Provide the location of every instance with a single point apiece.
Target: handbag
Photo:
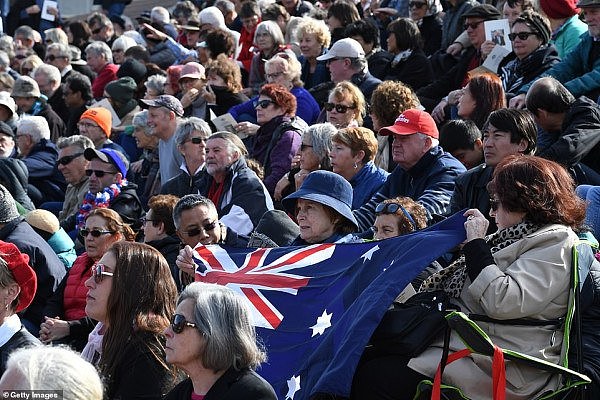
(409, 328)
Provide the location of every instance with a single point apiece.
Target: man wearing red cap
(424, 173)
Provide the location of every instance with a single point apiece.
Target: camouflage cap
(26, 86)
(166, 101)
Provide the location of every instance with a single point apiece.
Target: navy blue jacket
(430, 182)
(43, 174)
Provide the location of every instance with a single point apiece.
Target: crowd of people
(125, 143)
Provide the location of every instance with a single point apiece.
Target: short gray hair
(189, 202)
(160, 14)
(157, 83)
(224, 321)
(234, 143)
(35, 126)
(62, 49)
(55, 368)
(79, 141)
(359, 64)
(187, 126)
(51, 72)
(272, 29)
(140, 120)
(100, 48)
(320, 136)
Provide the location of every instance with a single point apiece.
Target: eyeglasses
(521, 35)
(416, 4)
(117, 50)
(197, 140)
(196, 231)
(98, 173)
(338, 107)
(86, 125)
(472, 25)
(263, 103)
(494, 204)
(20, 56)
(392, 208)
(98, 272)
(97, 30)
(273, 75)
(66, 160)
(84, 232)
(178, 323)
(145, 220)
(304, 146)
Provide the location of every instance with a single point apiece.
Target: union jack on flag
(315, 307)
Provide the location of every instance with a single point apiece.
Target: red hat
(410, 122)
(557, 9)
(18, 264)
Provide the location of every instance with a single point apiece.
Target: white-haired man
(49, 81)
(39, 154)
(100, 60)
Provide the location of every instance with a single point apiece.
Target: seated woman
(428, 16)
(314, 40)
(18, 283)
(132, 294)
(269, 41)
(213, 340)
(345, 106)
(482, 95)
(314, 154)
(224, 84)
(352, 157)
(521, 271)
(322, 207)
(283, 69)
(65, 319)
(531, 55)
(278, 139)
(410, 65)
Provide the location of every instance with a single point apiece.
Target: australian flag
(315, 307)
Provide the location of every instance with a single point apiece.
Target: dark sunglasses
(520, 35)
(197, 140)
(196, 231)
(472, 25)
(178, 323)
(263, 103)
(20, 56)
(494, 204)
(84, 232)
(416, 4)
(66, 160)
(145, 220)
(304, 146)
(392, 208)
(98, 173)
(338, 107)
(98, 272)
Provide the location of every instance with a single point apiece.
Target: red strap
(498, 374)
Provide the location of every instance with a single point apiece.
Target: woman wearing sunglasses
(132, 294)
(212, 339)
(345, 106)
(352, 157)
(65, 320)
(278, 139)
(521, 272)
(397, 217)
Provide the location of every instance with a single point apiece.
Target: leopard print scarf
(452, 279)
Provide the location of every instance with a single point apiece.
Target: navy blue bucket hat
(327, 188)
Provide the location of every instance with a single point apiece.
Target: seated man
(96, 124)
(39, 155)
(462, 139)
(108, 188)
(239, 195)
(425, 173)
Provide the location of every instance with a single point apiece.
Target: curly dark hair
(540, 188)
(281, 96)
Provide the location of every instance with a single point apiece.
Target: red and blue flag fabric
(315, 307)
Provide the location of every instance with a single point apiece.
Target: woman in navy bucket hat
(322, 207)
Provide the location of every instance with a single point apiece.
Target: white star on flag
(293, 386)
(369, 253)
(323, 322)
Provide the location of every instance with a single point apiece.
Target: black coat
(169, 248)
(431, 32)
(47, 266)
(22, 338)
(183, 184)
(470, 191)
(415, 71)
(232, 385)
(14, 176)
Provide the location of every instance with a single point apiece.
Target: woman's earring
(355, 165)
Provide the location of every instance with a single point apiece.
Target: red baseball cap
(410, 122)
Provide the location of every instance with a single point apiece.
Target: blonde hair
(347, 89)
(310, 26)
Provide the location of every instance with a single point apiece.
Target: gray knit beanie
(8, 207)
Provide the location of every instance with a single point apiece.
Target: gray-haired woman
(190, 137)
(268, 40)
(212, 339)
(314, 154)
(155, 86)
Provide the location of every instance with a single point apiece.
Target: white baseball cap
(344, 48)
